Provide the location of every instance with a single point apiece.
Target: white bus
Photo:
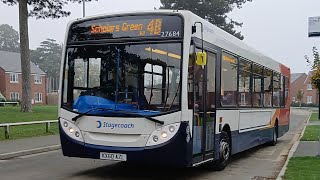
(166, 87)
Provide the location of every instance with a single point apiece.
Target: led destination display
(127, 27)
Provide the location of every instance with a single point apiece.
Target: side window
(282, 100)
(267, 88)
(286, 89)
(276, 89)
(257, 86)
(229, 80)
(245, 83)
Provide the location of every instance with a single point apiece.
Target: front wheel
(224, 152)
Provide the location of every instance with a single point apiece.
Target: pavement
(308, 148)
(21, 147)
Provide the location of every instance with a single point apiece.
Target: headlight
(155, 138)
(165, 134)
(71, 129)
(171, 128)
(65, 124)
(77, 134)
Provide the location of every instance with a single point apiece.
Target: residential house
(301, 81)
(11, 79)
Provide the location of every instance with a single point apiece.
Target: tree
(299, 97)
(315, 74)
(40, 9)
(48, 57)
(9, 38)
(214, 11)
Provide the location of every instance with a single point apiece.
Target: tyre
(224, 152)
(274, 135)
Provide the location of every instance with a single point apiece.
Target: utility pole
(84, 8)
(319, 106)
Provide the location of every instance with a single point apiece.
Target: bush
(297, 104)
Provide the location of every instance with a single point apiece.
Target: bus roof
(215, 35)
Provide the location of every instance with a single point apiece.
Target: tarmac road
(263, 162)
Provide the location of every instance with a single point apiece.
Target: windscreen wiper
(140, 115)
(86, 113)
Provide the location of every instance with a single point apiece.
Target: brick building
(11, 79)
(300, 81)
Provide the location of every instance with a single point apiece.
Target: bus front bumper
(175, 152)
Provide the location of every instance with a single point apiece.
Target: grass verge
(312, 133)
(300, 168)
(10, 114)
(314, 117)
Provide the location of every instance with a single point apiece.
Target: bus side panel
(284, 120)
(251, 131)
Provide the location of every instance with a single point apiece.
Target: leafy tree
(9, 38)
(299, 97)
(48, 57)
(315, 74)
(315, 66)
(39, 9)
(214, 11)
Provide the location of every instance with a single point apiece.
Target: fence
(6, 126)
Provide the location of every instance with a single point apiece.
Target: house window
(14, 96)
(14, 78)
(38, 97)
(309, 99)
(309, 87)
(37, 79)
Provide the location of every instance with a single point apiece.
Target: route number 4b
(154, 27)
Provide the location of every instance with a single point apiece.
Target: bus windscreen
(126, 27)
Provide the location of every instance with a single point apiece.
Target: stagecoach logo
(100, 124)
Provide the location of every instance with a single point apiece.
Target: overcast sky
(278, 28)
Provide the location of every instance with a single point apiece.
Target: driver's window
(80, 72)
(94, 72)
(153, 83)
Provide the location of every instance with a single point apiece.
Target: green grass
(314, 117)
(10, 114)
(312, 133)
(303, 168)
(17, 132)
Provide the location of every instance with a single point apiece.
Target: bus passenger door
(203, 84)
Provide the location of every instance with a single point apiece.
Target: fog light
(65, 124)
(71, 130)
(164, 134)
(171, 129)
(77, 134)
(155, 138)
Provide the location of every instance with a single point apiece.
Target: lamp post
(83, 8)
